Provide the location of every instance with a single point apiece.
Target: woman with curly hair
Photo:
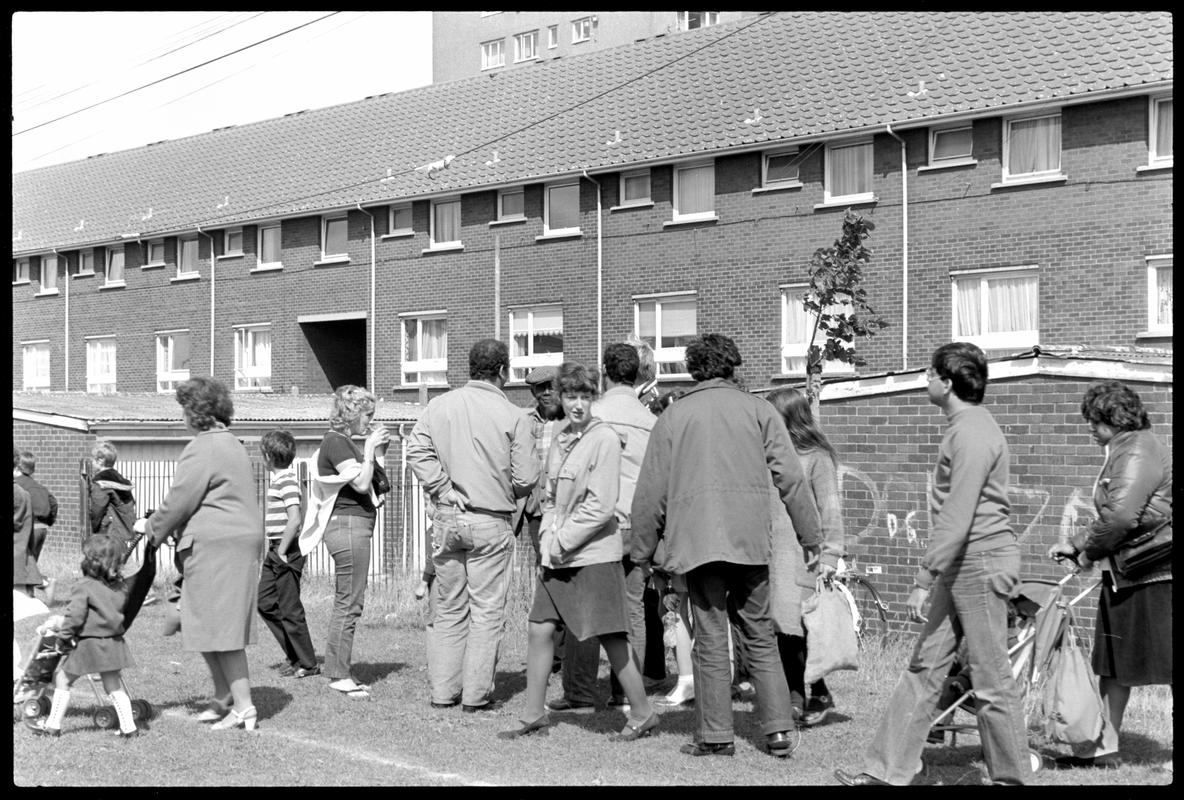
(1133, 494)
(213, 507)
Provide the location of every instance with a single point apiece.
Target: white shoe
(683, 692)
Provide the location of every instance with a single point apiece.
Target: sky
(94, 82)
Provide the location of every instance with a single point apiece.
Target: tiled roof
(804, 74)
(146, 407)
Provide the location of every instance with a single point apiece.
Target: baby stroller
(1035, 616)
(32, 689)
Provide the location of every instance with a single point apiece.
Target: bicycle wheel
(873, 617)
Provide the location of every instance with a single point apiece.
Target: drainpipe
(213, 263)
(370, 377)
(66, 332)
(599, 274)
(904, 246)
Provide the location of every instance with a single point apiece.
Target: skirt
(588, 601)
(98, 655)
(1133, 638)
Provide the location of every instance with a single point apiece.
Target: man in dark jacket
(45, 505)
(112, 507)
(704, 492)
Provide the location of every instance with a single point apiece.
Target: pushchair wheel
(1036, 760)
(105, 718)
(141, 710)
(36, 707)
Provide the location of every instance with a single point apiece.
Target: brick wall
(58, 451)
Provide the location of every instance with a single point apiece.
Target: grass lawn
(309, 735)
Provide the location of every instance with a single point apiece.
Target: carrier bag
(1072, 704)
(1145, 551)
(830, 624)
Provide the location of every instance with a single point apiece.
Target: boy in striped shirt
(279, 581)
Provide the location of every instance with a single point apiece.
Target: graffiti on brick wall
(1030, 507)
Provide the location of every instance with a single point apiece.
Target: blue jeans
(969, 601)
(738, 594)
(472, 552)
(347, 538)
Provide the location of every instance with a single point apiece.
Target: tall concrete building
(466, 43)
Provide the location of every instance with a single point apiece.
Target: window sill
(326, 262)
(959, 162)
(1019, 182)
(21, 283)
(1153, 167)
(499, 222)
(690, 221)
(113, 285)
(550, 237)
(78, 275)
(631, 206)
(253, 389)
(397, 235)
(161, 265)
(1166, 334)
(226, 256)
(443, 248)
(667, 377)
(189, 276)
(47, 293)
(844, 202)
(788, 186)
(266, 268)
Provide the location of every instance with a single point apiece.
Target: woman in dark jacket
(1133, 494)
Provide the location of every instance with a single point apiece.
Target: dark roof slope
(804, 74)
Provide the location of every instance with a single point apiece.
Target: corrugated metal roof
(804, 74)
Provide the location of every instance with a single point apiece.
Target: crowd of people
(725, 502)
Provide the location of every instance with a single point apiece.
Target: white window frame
(35, 364)
(1038, 175)
(149, 261)
(1154, 159)
(1154, 264)
(648, 200)
(548, 230)
(86, 263)
(829, 197)
(46, 269)
(693, 216)
(114, 254)
(181, 271)
(493, 57)
(708, 19)
(253, 377)
(994, 340)
(98, 379)
(664, 355)
(450, 244)
(502, 216)
(582, 29)
(791, 294)
(424, 365)
(392, 218)
(552, 37)
(326, 221)
(260, 250)
(955, 160)
(779, 183)
(520, 366)
(166, 378)
(227, 252)
(22, 272)
(520, 41)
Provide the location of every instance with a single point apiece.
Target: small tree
(838, 302)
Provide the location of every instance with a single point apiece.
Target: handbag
(830, 624)
(1071, 703)
(1145, 551)
(379, 482)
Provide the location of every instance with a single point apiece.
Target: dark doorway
(336, 353)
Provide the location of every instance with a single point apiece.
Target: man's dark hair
(621, 363)
(965, 366)
(1115, 404)
(279, 448)
(486, 359)
(712, 355)
(28, 462)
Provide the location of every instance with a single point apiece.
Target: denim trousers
(472, 552)
(724, 594)
(969, 601)
(280, 606)
(347, 538)
(581, 660)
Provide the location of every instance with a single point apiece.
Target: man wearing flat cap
(542, 417)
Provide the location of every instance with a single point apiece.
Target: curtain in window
(1163, 306)
(1163, 130)
(435, 339)
(647, 322)
(1012, 304)
(850, 169)
(335, 237)
(563, 207)
(188, 256)
(696, 190)
(271, 246)
(261, 352)
(1034, 146)
(967, 307)
(548, 330)
(447, 222)
(49, 272)
(678, 323)
(115, 268)
(637, 188)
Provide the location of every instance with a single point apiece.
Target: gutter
(370, 376)
(599, 273)
(213, 268)
(66, 328)
(904, 248)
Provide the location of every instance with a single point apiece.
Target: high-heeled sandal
(540, 726)
(234, 719)
(216, 711)
(635, 730)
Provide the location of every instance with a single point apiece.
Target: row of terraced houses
(1017, 166)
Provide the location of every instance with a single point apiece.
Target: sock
(123, 708)
(57, 710)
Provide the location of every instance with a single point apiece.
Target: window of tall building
(1032, 148)
(582, 29)
(334, 238)
(172, 359)
(86, 262)
(1161, 132)
(154, 253)
(187, 251)
(536, 339)
(526, 46)
(561, 211)
(100, 365)
(20, 271)
(689, 20)
(635, 188)
(493, 54)
(35, 364)
(848, 173)
(425, 349)
(780, 169)
(232, 242)
(445, 231)
(511, 204)
(399, 220)
(797, 328)
(49, 275)
(950, 146)
(1159, 294)
(694, 191)
(552, 36)
(115, 262)
(997, 309)
(252, 357)
(270, 256)
(668, 324)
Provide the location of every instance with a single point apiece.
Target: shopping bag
(830, 626)
(1072, 704)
